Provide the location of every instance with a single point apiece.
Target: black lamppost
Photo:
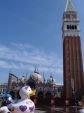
(74, 99)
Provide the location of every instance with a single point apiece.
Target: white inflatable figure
(81, 110)
(25, 105)
(81, 104)
(4, 109)
(10, 101)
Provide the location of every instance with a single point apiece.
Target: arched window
(68, 26)
(73, 27)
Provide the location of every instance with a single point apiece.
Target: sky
(31, 36)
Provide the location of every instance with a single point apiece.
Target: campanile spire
(72, 54)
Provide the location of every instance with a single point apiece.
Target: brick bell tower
(72, 54)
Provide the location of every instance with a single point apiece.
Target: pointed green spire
(69, 6)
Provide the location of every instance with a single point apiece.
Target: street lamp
(74, 100)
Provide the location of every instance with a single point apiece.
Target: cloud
(25, 57)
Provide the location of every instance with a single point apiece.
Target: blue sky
(30, 35)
